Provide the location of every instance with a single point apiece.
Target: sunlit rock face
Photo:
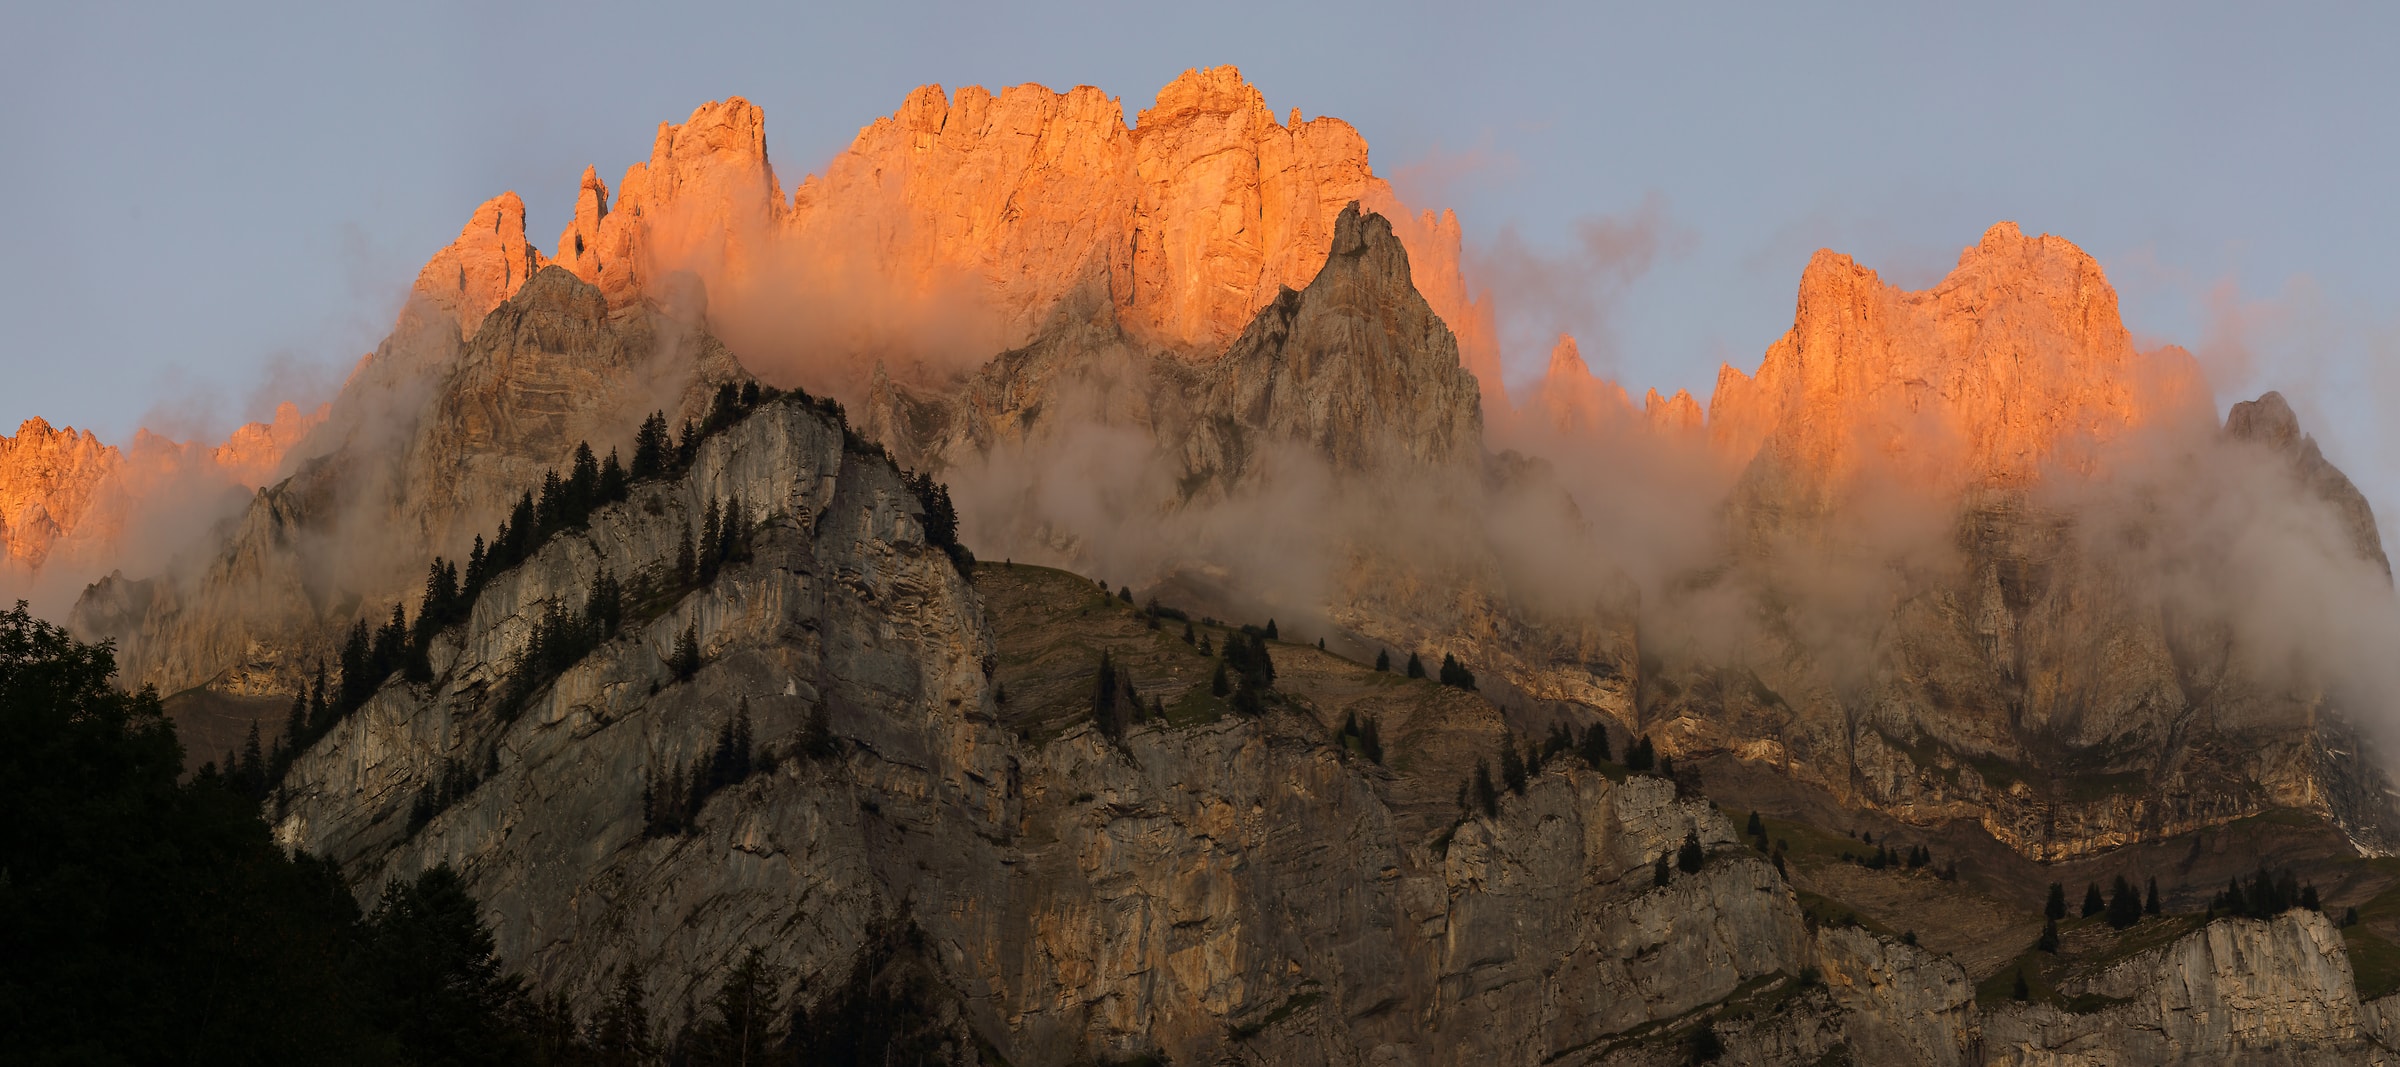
(67, 499)
(2017, 359)
(487, 263)
(992, 212)
(1968, 523)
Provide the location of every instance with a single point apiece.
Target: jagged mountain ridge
(1359, 370)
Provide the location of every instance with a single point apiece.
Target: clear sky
(209, 208)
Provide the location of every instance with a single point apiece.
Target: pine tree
(1455, 673)
(2049, 940)
(1661, 871)
(621, 1030)
(1487, 796)
(650, 447)
(2056, 909)
(2124, 904)
(1188, 636)
(1370, 740)
(742, 1014)
(2150, 900)
(1640, 756)
(613, 479)
(1217, 684)
(1416, 666)
(687, 559)
(1690, 857)
(2308, 898)
(1595, 745)
(2092, 902)
(251, 772)
(1383, 660)
(1512, 768)
(1271, 634)
(1705, 1046)
(684, 662)
(1104, 700)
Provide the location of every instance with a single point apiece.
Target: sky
(211, 210)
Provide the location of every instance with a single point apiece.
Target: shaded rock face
(2237, 991)
(437, 437)
(1234, 889)
(1356, 370)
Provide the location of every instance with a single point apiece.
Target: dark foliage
(2262, 896)
(2093, 902)
(2049, 938)
(1512, 768)
(940, 519)
(1689, 857)
(672, 799)
(2057, 907)
(1639, 756)
(1595, 746)
(1455, 673)
(1383, 659)
(1487, 796)
(147, 920)
(893, 1008)
(1108, 713)
(1416, 666)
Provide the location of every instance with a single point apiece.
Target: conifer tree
(1455, 673)
(1595, 745)
(2056, 909)
(1370, 740)
(2124, 904)
(1512, 768)
(621, 1030)
(685, 660)
(1383, 660)
(1416, 666)
(1487, 796)
(2093, 904)
(1639, 756)
(1217, 684)
(1271, 634)
(2150, 898)
(2049, 939)
(1690, 857)
(1104, 699)
(1660, 872)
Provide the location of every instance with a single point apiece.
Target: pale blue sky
(209, 210)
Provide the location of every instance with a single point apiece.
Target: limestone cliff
(996, 212)
(1965, 558)
(437, 437)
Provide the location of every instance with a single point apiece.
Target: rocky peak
(48, 477)
(2015, 361)
(486, 264)
(1570, 399)
(2269, 422)
(1357, 365)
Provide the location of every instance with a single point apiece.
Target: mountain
(1959, 594)
(67, 494)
